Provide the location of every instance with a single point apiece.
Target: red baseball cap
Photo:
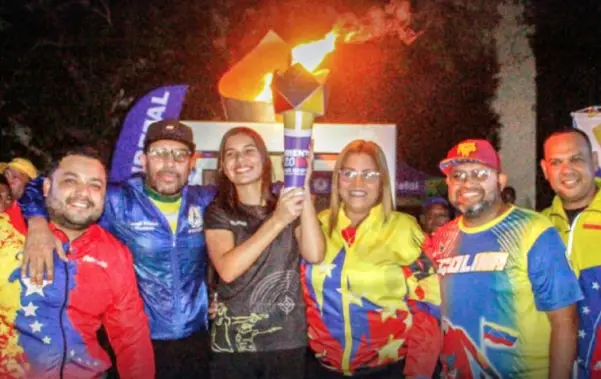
(471, 151)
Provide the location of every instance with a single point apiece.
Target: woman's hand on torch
(310, 159)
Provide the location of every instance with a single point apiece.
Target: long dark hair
(227, 197)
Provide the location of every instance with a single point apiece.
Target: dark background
(567, 46)
(70, 70)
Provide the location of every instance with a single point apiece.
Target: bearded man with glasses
(160, 218)
(508, 294)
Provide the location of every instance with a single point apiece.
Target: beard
(477, 209)
(481, 207)
(72, 220)
(167, 189)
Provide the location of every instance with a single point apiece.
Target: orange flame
(309, 54)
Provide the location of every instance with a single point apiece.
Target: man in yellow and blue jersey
(569, 165)
(508, 293)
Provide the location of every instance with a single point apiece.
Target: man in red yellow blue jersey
(569, 165)
(50, 331)
(508, 293)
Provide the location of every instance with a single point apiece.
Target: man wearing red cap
(508, 293)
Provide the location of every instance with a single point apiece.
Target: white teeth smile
(242, 170)
(358, 193)
(80, 205)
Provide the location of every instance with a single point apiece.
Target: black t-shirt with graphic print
(263, 309)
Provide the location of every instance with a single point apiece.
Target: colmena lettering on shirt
(144, 225)
(238, 223)
(481, 262)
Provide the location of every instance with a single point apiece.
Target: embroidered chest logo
(194, 217)
(481, 262)
(466, 149)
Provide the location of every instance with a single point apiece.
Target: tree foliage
(71, 69)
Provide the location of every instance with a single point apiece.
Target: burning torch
(299, 96)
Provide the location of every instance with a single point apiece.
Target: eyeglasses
(478, 174)
(349, 174)
(163, 153)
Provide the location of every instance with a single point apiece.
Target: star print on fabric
(350, 298)
(390, 351)
(581, 333)
(326, 269)
(596, 286)
(386, 313)
(47, 340)
(29, 309)
(34, 288)
(586, 310)
(36, 327)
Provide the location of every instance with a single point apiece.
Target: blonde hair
(375, 152)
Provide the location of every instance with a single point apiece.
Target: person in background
(508, 294)
(5, 194)
(256, 242)
(508, 195)
(435, 213)
(49, 331)
(18, 173)
(160, 218)
(569, 165)
(372, 304)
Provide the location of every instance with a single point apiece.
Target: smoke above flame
(393, 20)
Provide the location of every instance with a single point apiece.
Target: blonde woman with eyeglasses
(372, 304)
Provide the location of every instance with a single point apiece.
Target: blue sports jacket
(171, 269)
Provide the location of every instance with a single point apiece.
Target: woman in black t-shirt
(255, 243)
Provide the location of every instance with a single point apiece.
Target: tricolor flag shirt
(497, 282)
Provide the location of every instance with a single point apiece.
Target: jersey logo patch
(194, 217)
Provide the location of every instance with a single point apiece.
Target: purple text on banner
(159, 104)
(296, 152)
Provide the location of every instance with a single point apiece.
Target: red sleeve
(16, 217)
(424, 341)
(126, 323)
(429, 250)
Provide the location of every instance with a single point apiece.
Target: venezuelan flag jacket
(170, 267)
(583, 240)
(374, 299)
(50, 331)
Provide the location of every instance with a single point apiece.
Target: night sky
(567, 47)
